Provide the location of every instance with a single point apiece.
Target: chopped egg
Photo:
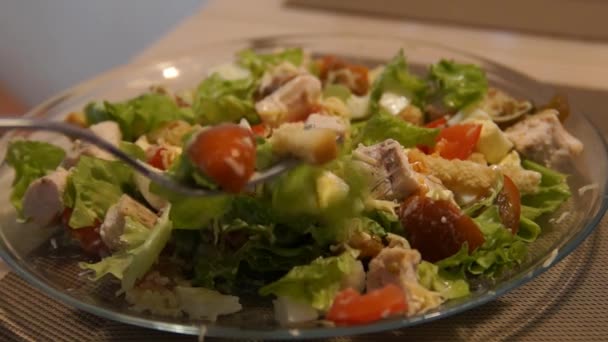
(393, 103)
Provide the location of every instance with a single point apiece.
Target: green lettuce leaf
(388, 221)
(501, 250)
(528, 229)
(458, 84)
(196, 213)
(384, 126)
(316, 284)
(265, 158)
(218, 100)
(132, 150)
(30, 160)
(396, 78)
(296, 186)
(430, 276)
(140, 115)
(93, 186)
(192, 212)
(486, 201)
(133, 263)
(259, 63)
(553, 192)
(135, 233)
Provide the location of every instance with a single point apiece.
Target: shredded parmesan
(550, 259)
(562, 217)
(588, 187)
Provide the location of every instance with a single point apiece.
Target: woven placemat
(568, 302)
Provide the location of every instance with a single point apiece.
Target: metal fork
(140, 167)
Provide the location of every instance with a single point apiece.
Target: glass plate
(29, 249)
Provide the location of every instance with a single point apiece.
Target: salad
(412, 188)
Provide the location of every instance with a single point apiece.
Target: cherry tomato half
(509, 205)
(358, 84)
(157, 159)
(88, 237)
(439, 123)
(350, 307)
(437, 228)
(260, 130)
(226, 153)
(458, 142)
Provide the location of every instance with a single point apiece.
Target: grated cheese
(562, 217)
(588, 187)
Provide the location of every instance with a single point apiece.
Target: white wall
(48, 45)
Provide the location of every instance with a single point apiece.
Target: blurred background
(47, 46)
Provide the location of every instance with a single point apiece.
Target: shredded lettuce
(432, 278)
(384, 126)
(218, 100)
(397, 79)
(316, 283)
(245, 253)
(140, 115)
(94, 185)
(259, 63)
(31, 160)
(458, 84)
(134, 262)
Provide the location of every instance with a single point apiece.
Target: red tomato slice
(458, 142)
(439, 123)
(157, 159)
(509, 205)
(260, 130)
(88, 237)
(226, 153)
(350, 307)
(438, 229)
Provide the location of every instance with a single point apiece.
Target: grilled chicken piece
(335, 123)
(107, 130)
(277, 76)
(313, 145)
(389, 166)
(542, 138)
(398, 266)
(293, 101)
(113, 225)
(43, 199)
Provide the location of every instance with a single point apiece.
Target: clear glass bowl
(28, 249)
